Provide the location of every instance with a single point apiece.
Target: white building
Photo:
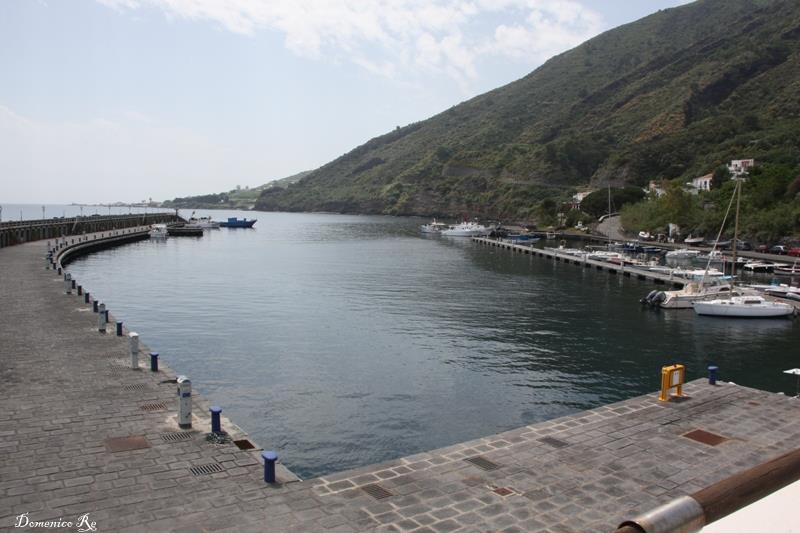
(703, 183)
(740, 167)
(578, 197)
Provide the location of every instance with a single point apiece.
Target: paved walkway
(66, 390)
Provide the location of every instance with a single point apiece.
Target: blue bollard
(153, 360)
(94, 305)
(269, 466)
(712, 374)
(216, 427)
(119, 328)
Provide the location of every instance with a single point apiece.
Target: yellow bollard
(671, 377)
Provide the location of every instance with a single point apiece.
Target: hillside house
(740, 167)
(703, 183)
(578, 197)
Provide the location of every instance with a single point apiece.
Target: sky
(125, 100)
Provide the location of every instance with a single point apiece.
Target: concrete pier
(80, 432)
(612, 268)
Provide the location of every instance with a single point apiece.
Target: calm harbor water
(341, 341)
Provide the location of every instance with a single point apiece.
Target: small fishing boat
(184, 230)
(693, 241)
(743, 307)
(158, 231)
(467, 229)
(433, 227)
(234, 222)
(203, 222)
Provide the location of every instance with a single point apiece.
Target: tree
(720, 176)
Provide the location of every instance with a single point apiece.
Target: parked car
(778, 249)
(763, 249)
(794, 251)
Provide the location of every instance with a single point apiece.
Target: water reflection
(346, 340)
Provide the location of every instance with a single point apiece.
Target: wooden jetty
(612, 268)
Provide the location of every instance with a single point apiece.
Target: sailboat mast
(738, 192)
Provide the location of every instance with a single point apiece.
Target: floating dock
(612, 268)
(82, 433)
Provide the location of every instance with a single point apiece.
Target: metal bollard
(269, 466)
(154, 361)
(87, 297)
(68, 283)
(216, 426)
(712, 374)
(80, 290)
(73, 284)
(101, 318)
(59, 271)
(94, 306)
(119, 328)
(134, 341)
(184, 402)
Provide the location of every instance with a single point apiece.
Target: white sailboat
(743, 307)
(748, 306)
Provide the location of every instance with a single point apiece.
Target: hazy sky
(121, 100)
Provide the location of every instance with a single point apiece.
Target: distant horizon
(161, 99)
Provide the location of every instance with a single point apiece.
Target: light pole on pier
(43, 216)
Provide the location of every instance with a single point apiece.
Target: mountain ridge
(671, 95)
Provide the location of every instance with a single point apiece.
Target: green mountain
(672, 95)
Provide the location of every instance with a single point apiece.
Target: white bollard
(134, 338)
(101, 318)
(184, 402)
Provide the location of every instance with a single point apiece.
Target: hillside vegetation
(673, 95)
(238, 198)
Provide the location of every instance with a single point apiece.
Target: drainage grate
(705, 437)
(202, 470)
(137, 387)
(376, 491)
(555, 443)
(244, 444)
(124, 444)
(482, 462)
(153, 407)
(176, 437)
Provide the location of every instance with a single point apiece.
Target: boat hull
(735, 310)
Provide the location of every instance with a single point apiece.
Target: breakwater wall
(18, 232)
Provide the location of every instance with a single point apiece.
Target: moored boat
(467, 229)
(743, 307)
(682, 253)
(158, 231)
(184, 230)
(787, 270)
(203, 222)
(234, 222)
(433, 227)
(693, 291)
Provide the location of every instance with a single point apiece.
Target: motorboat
(759, 266)
(602, 255)
(433, 227)
(158, 231)
(523, 239)
(203, 222)
(467, 229)
(694, 291)
(645, 236)
(781, 290)
(184, 230)
(787, 270)
(234, 222)
(743, 307)
(693, 241)
(682, 253)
